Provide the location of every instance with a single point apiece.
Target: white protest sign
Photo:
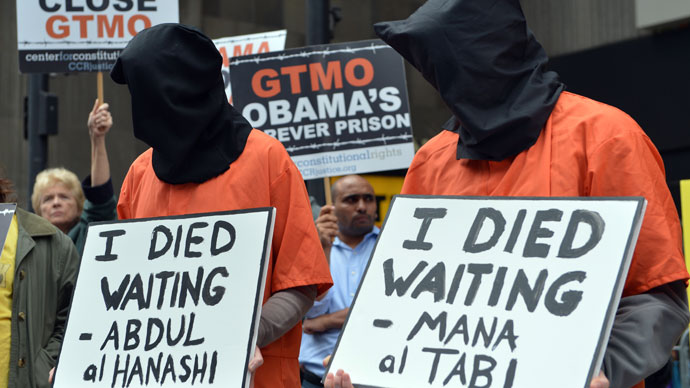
(170, 302)
(235, 46)
(62, 36)
(490, 292)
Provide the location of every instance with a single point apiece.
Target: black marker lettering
(112, 301)
(136, 370)
(400, 285)
(486, 372)
(154, 368)
(515, 232)
(215, 250)
(532, 248)
(569, 300)
(158, 324)
(477, 270)
(529, 294)
(498, 286)
(434, 282)
(507, 333)
(173, 341)
(192, 239)
(510, 374)
(191, 342)
(117, 371)
(594, 220)
(426, 215)
(132, 334)
(459, 370)
(113, 335)
(212, 299)
(153, 253)
(425, 318)
(437, 357)
(455, 284)
(193, 289)
(499, 222)
(169, 369)
(109, 235)
(199, 369)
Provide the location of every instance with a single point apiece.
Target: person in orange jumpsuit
(205, 157)
(516, 132)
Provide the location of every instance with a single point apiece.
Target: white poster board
(170, 302)
(83, 36)
(490, 292)
(236, 46)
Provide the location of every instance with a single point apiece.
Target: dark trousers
(310, 380)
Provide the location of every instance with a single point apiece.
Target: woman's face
(59, 206)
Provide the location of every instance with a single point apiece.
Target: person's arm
(325, 322)
(645, 329)
(282, 311)
(99, 123)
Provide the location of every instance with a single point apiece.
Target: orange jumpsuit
(262, 176)
(585, 149)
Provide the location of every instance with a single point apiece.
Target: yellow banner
(685, 216)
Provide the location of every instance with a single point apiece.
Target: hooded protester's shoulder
(444, 142)
(264, 150)
(142, 162)
(595, 122)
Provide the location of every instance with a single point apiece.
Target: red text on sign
(358, 72)
(60, 26)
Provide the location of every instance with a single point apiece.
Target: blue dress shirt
(347, 268)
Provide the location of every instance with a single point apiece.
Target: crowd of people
(515, 131)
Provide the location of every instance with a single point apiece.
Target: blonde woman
(70, 205)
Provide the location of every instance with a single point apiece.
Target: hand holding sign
(327, 226)
(100, 120)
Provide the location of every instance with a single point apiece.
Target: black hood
(488, 68)
(179, 106)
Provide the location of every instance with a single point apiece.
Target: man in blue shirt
(348, 236)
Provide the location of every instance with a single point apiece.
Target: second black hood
(488, 68)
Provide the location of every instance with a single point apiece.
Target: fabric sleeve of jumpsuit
(645, 328)
(653, 311)
(282, 311)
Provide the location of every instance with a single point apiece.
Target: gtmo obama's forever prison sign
(168, 302)
(338, 109)
(490, 292)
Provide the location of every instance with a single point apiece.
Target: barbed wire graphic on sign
(302, 54)
(233, 40)
(337, 144)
